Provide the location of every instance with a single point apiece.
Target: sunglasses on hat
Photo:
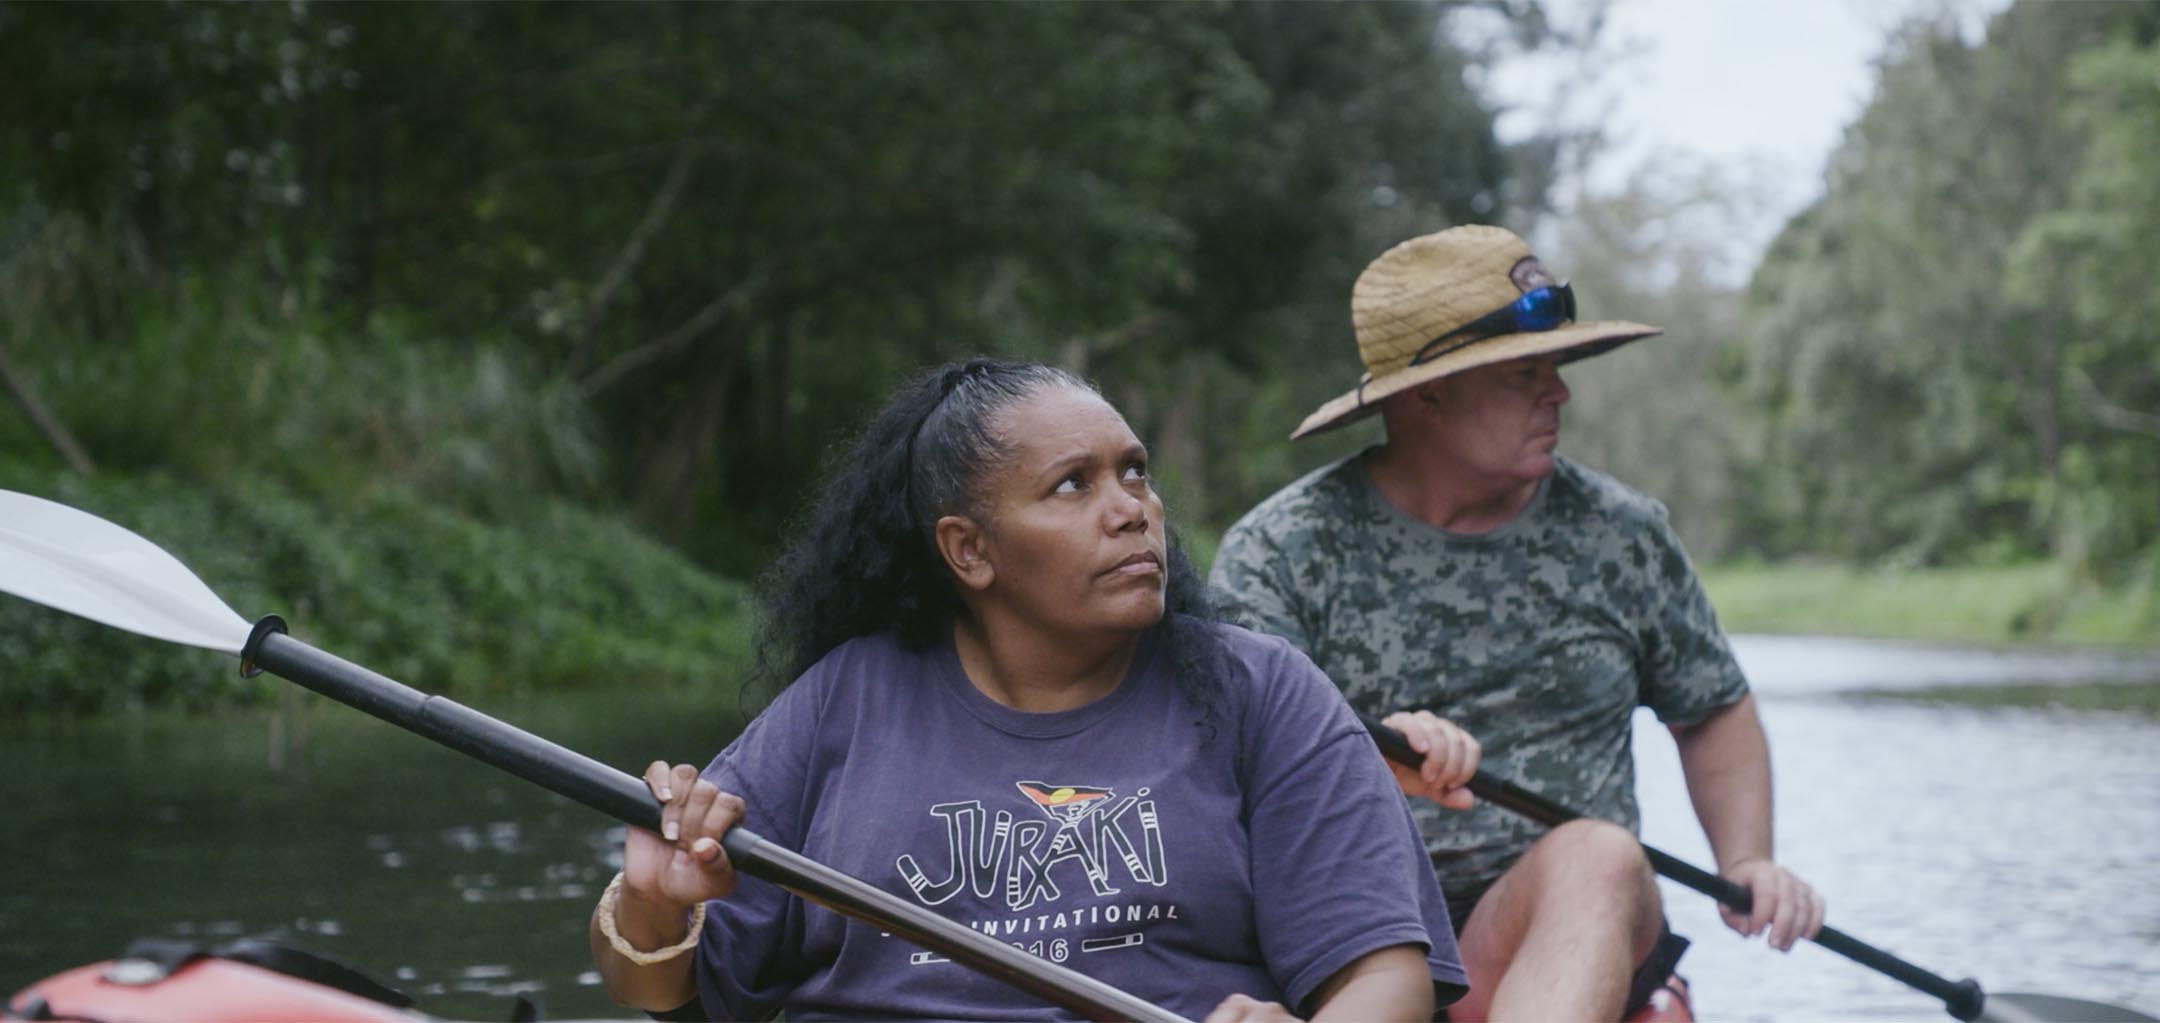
(1539, 309)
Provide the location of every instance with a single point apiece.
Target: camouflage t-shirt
(1539, 638)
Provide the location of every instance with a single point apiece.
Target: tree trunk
(777, 387)
(1082, 354)
(677, 340)
(2044, 404)
(55, 432)
(632, 256)
(673, 467)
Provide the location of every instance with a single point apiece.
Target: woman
(1000, 710)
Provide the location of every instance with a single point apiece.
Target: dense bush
(722, 232)
(445, 601)
(391, 318)
(1948, 359)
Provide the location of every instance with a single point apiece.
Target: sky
(1758, 91)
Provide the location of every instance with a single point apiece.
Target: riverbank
(460, 601)
(2141, 698)
(2016, 605)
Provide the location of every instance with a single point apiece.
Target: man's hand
(1784, 905)
(1451, 758)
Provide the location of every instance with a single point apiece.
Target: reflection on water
(2017, 846)
(455, 883)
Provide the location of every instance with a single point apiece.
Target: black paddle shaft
(1962, 998)
(628, 799)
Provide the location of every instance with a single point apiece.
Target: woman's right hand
(1243, 1009)
(684, 864)
(665, 877)
(1451, 758)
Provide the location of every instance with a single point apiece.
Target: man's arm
(1726, 759)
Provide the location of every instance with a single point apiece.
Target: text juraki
(989, 853)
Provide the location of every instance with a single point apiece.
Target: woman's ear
(963, 544)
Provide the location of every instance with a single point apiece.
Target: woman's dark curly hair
(865, 561)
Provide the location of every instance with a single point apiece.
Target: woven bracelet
(606, 915)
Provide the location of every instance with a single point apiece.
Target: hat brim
(1575, 341)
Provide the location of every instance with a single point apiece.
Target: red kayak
(1668, 1004)
(206, 990)
(179, 983)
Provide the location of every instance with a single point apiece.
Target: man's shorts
(1649, 976)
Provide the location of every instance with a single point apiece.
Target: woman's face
(1074, 537)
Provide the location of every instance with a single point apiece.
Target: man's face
(1501, 420)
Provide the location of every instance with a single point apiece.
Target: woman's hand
(1451, 758)
(665, 877)
(1243, 1009)
(684, 864)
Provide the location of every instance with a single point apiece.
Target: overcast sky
(1758, 89)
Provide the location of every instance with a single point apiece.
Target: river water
(2020, 846)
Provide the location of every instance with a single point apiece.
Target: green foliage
(2086, 268)
(729, 228)
(1652, 413)
(411, 503)
(216, 375)
(411, 291)
(1950, 356)
(388, 578)
(2014, 603)
(179, 121)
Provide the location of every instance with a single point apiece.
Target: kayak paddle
(1963, 998)
(73, 561)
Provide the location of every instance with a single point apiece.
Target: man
(1502, 605)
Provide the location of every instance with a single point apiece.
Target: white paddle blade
(74, 561)
(2023, 1007)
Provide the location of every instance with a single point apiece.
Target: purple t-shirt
(1257, 853)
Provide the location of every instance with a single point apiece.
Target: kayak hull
(1668, 1004)
(207, 989)
(213, 990)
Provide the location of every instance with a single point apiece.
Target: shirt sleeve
(1689, 665)
(1257, 588)
(750, 955)
(1338, 869)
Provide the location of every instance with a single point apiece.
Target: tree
(716, 234)
(2082, 273)
(1657, 251)
(1910, 406)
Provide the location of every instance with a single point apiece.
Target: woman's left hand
(1241, 1009)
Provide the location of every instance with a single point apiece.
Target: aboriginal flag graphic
(1065, 802)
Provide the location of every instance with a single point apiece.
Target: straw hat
(1430, 286)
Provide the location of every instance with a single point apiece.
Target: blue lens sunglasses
(1540, 309)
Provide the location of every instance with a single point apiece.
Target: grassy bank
(2039, 603)
(440, 509)
(448, 601)
(2123, 697)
